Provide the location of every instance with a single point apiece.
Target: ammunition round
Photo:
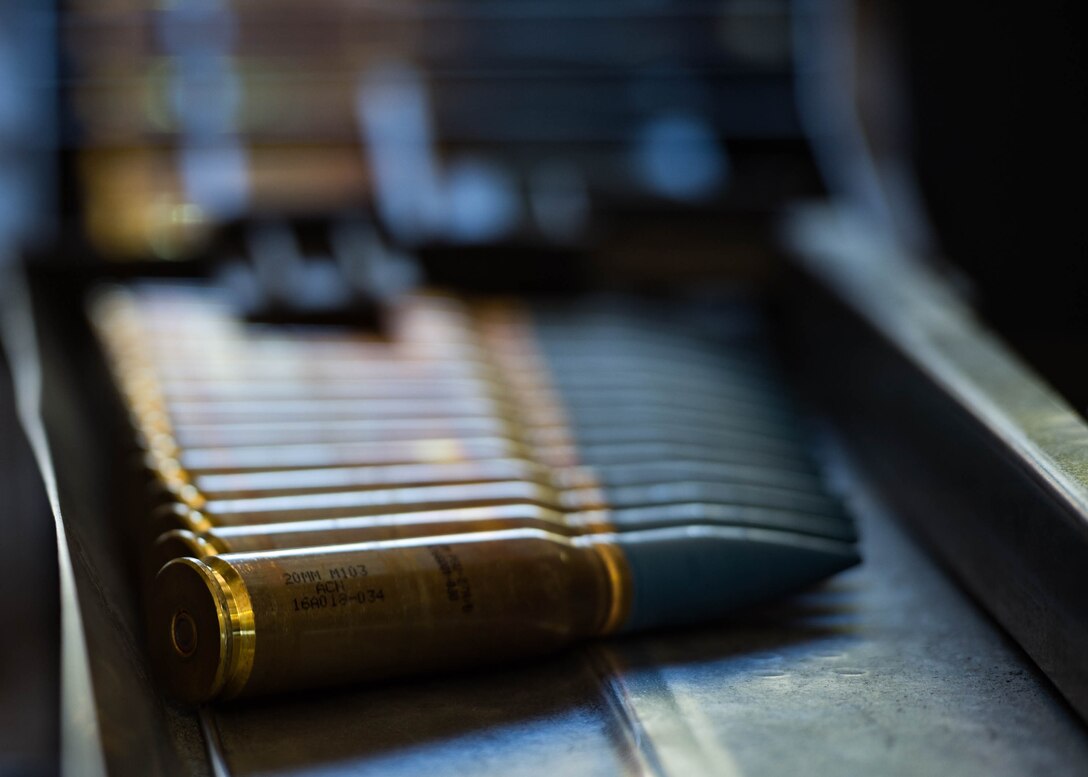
(245, 624)
(357, 504)
(178, 543)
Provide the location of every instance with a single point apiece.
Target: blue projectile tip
(684, 575)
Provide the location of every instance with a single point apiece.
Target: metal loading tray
(889, 668)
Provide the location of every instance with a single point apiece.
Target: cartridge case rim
(213, 601)
(618, 576)
(243, 626)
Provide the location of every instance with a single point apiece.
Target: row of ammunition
(480, 483)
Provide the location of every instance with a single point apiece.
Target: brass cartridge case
(196, 389)
(244, 624)
(243, 485)
(318, 370)
(179, 543)
(139, 360)
(245, 351)
(296, 507)
(337, 454)
(230, 411)
(332, 448)
(296, 370)
(234, 435)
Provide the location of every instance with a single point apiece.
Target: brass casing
(298, 456)
(244, 485)
(241, 434)
(179, 543)
(287, 508)
(247, 624)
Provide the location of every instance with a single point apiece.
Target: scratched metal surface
(888, 670)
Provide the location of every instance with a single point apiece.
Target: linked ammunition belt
(484, 481)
